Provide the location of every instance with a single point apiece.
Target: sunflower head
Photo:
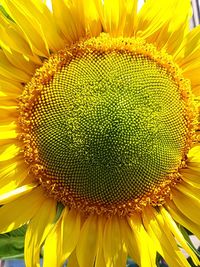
(103, 117)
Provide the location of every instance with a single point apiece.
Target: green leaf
(12, 244)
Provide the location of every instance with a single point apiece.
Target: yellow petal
(196, 90)
(176, 232)
(70, 232)
(162, 22)
(17, 168)
(91, 17)
(14, 194)
(5, 135)
(130, 23)
(100, 261)
(172, 34)
(185, 199)
(162, 238)
(10, 88)
(12, 36)
(113, 16)
(21, 62)
(18, 158)
(72, 261)
(69, 18)
(62, 240)
(9, 151)
(8, 114)
(170, 237)
(189, 49)
(188, 58)
(152, 16)
(156, 235)
(29, 24)
(52, 247)
(8, 131)
(9, 71)
(115, 253)
(178, 27)
(21, 55)
(191, 72)
(118, 17)
(191, 176)
(192, 172)
(88, 241)
(147, 253)
(194, 155)
(179, 217)
(7, 107)
(37, 231)
(130, 241)
(38, 10)
(7, 186)
(7, 101)
(20, 211)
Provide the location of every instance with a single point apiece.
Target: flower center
(105, 125)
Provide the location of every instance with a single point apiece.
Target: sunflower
(100, 130)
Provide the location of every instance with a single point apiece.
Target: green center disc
(110, 126)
